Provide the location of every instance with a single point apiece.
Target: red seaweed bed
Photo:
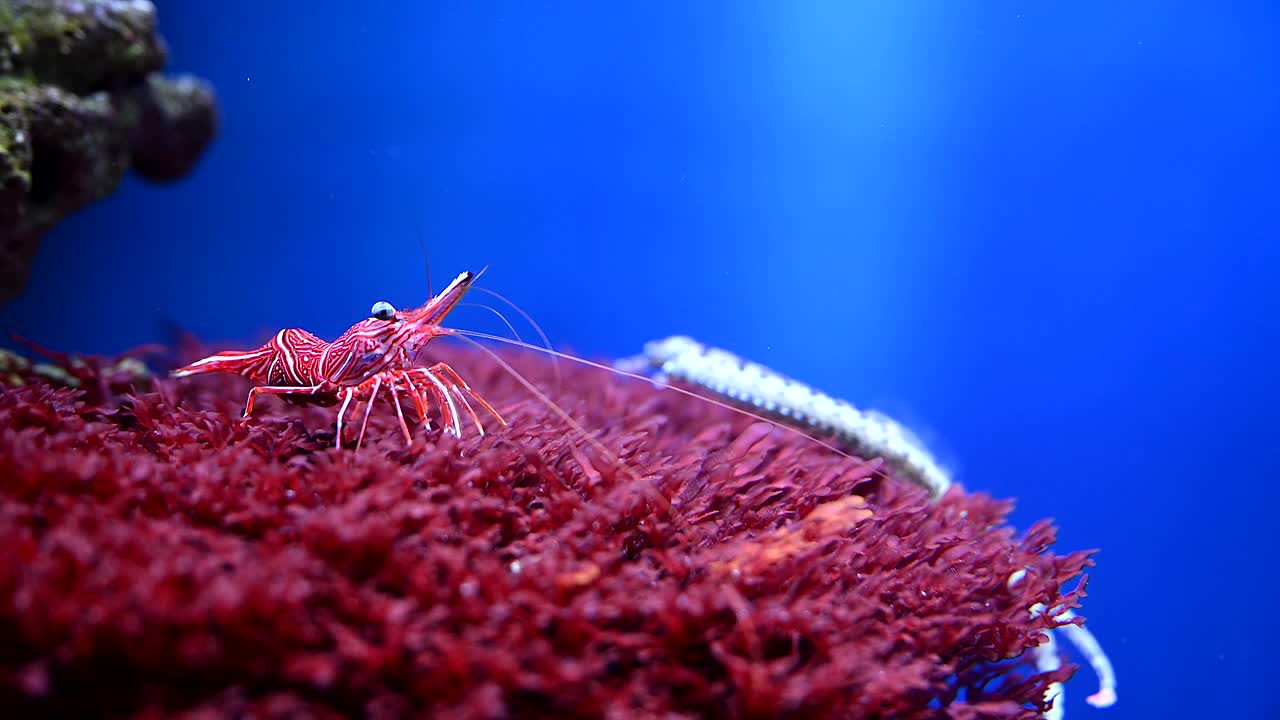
(160, 559)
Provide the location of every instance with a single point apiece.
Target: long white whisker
(467, 334)
(426, 261)
(547, 402)
(495, 311)
(546, 341)
(551, 404)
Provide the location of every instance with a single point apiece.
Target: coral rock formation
(162, 558)
(80, 104)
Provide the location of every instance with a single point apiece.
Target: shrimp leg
(276, 390)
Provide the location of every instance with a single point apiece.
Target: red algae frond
(756, 556)
(162, 558)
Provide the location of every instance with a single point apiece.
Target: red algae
(163, 559)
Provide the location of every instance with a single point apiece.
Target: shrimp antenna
(655, 495)
(500, 316)
(426, 261)
(466, 334)
(546, 342)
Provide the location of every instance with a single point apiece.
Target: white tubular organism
(865, 433)
(1047, 659)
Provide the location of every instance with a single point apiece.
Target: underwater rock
(161, 558)
(175, 123)
(80, 104)
(100, 379)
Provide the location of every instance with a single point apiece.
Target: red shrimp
(379, 352)
(373, 354)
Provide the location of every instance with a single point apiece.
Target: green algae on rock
(80, 104)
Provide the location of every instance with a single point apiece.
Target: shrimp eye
(383, 310)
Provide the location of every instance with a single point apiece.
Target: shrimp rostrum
(374, 355)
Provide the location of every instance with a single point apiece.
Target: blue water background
(1043, 233)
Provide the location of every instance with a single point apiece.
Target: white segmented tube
(1046, 657)
(868, 434)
